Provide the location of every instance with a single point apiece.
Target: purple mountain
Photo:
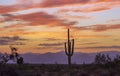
(61, 58)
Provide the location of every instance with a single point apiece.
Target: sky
(40, 26)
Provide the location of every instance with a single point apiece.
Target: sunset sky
(40, 26)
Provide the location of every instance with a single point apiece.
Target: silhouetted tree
(102, 59)
(13, 56)
(16, 56)
(106, 60)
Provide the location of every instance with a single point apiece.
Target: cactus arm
(66, 49)
(72, 47)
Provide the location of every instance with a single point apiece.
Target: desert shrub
(105, 59)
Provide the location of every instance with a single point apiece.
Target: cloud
(116, 39)
(17, 5)
(92, 7)
(7, 15)
(21, 32)
(94, 36)
(54, 3)
(101, 47)
(7, 18)
(15, 26)
(90, 43)
(7, 2)
(98, 28)
(17, 43)
(52, 44)
(105, 27)
(45, 19)
(8, 40)
(6, 9)
(42, 18)
(1, 29)
(14, 8)
(34, 19)
(57, 3)
(87, 10)
(52, 39)
(28, 4)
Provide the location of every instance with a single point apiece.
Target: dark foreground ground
(59, 70)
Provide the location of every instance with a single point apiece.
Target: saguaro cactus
(69, 48)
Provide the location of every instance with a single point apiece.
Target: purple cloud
(8, 40)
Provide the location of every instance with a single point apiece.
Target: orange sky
(40, 26)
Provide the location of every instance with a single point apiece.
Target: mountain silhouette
(61, 58)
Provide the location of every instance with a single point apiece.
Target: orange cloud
(114, 20)
(1, 29)
(94, 36)
(86, 10)
(14, 26)
(100, 47)
(94, 7)
(14, 8)
(21, 32)
(106, 27)
(98, 28)
(54, 3)
(4, 9)
(42, 18)
(28, 4)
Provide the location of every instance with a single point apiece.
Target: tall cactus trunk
(69, 48)
(69, 61)
(68, 42)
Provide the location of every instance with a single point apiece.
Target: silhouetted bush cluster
(105, 59)
(14, 56)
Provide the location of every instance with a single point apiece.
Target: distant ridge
(61, 58)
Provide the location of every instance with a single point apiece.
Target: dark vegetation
(14, 56)
(103, 65)
(59, 70)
